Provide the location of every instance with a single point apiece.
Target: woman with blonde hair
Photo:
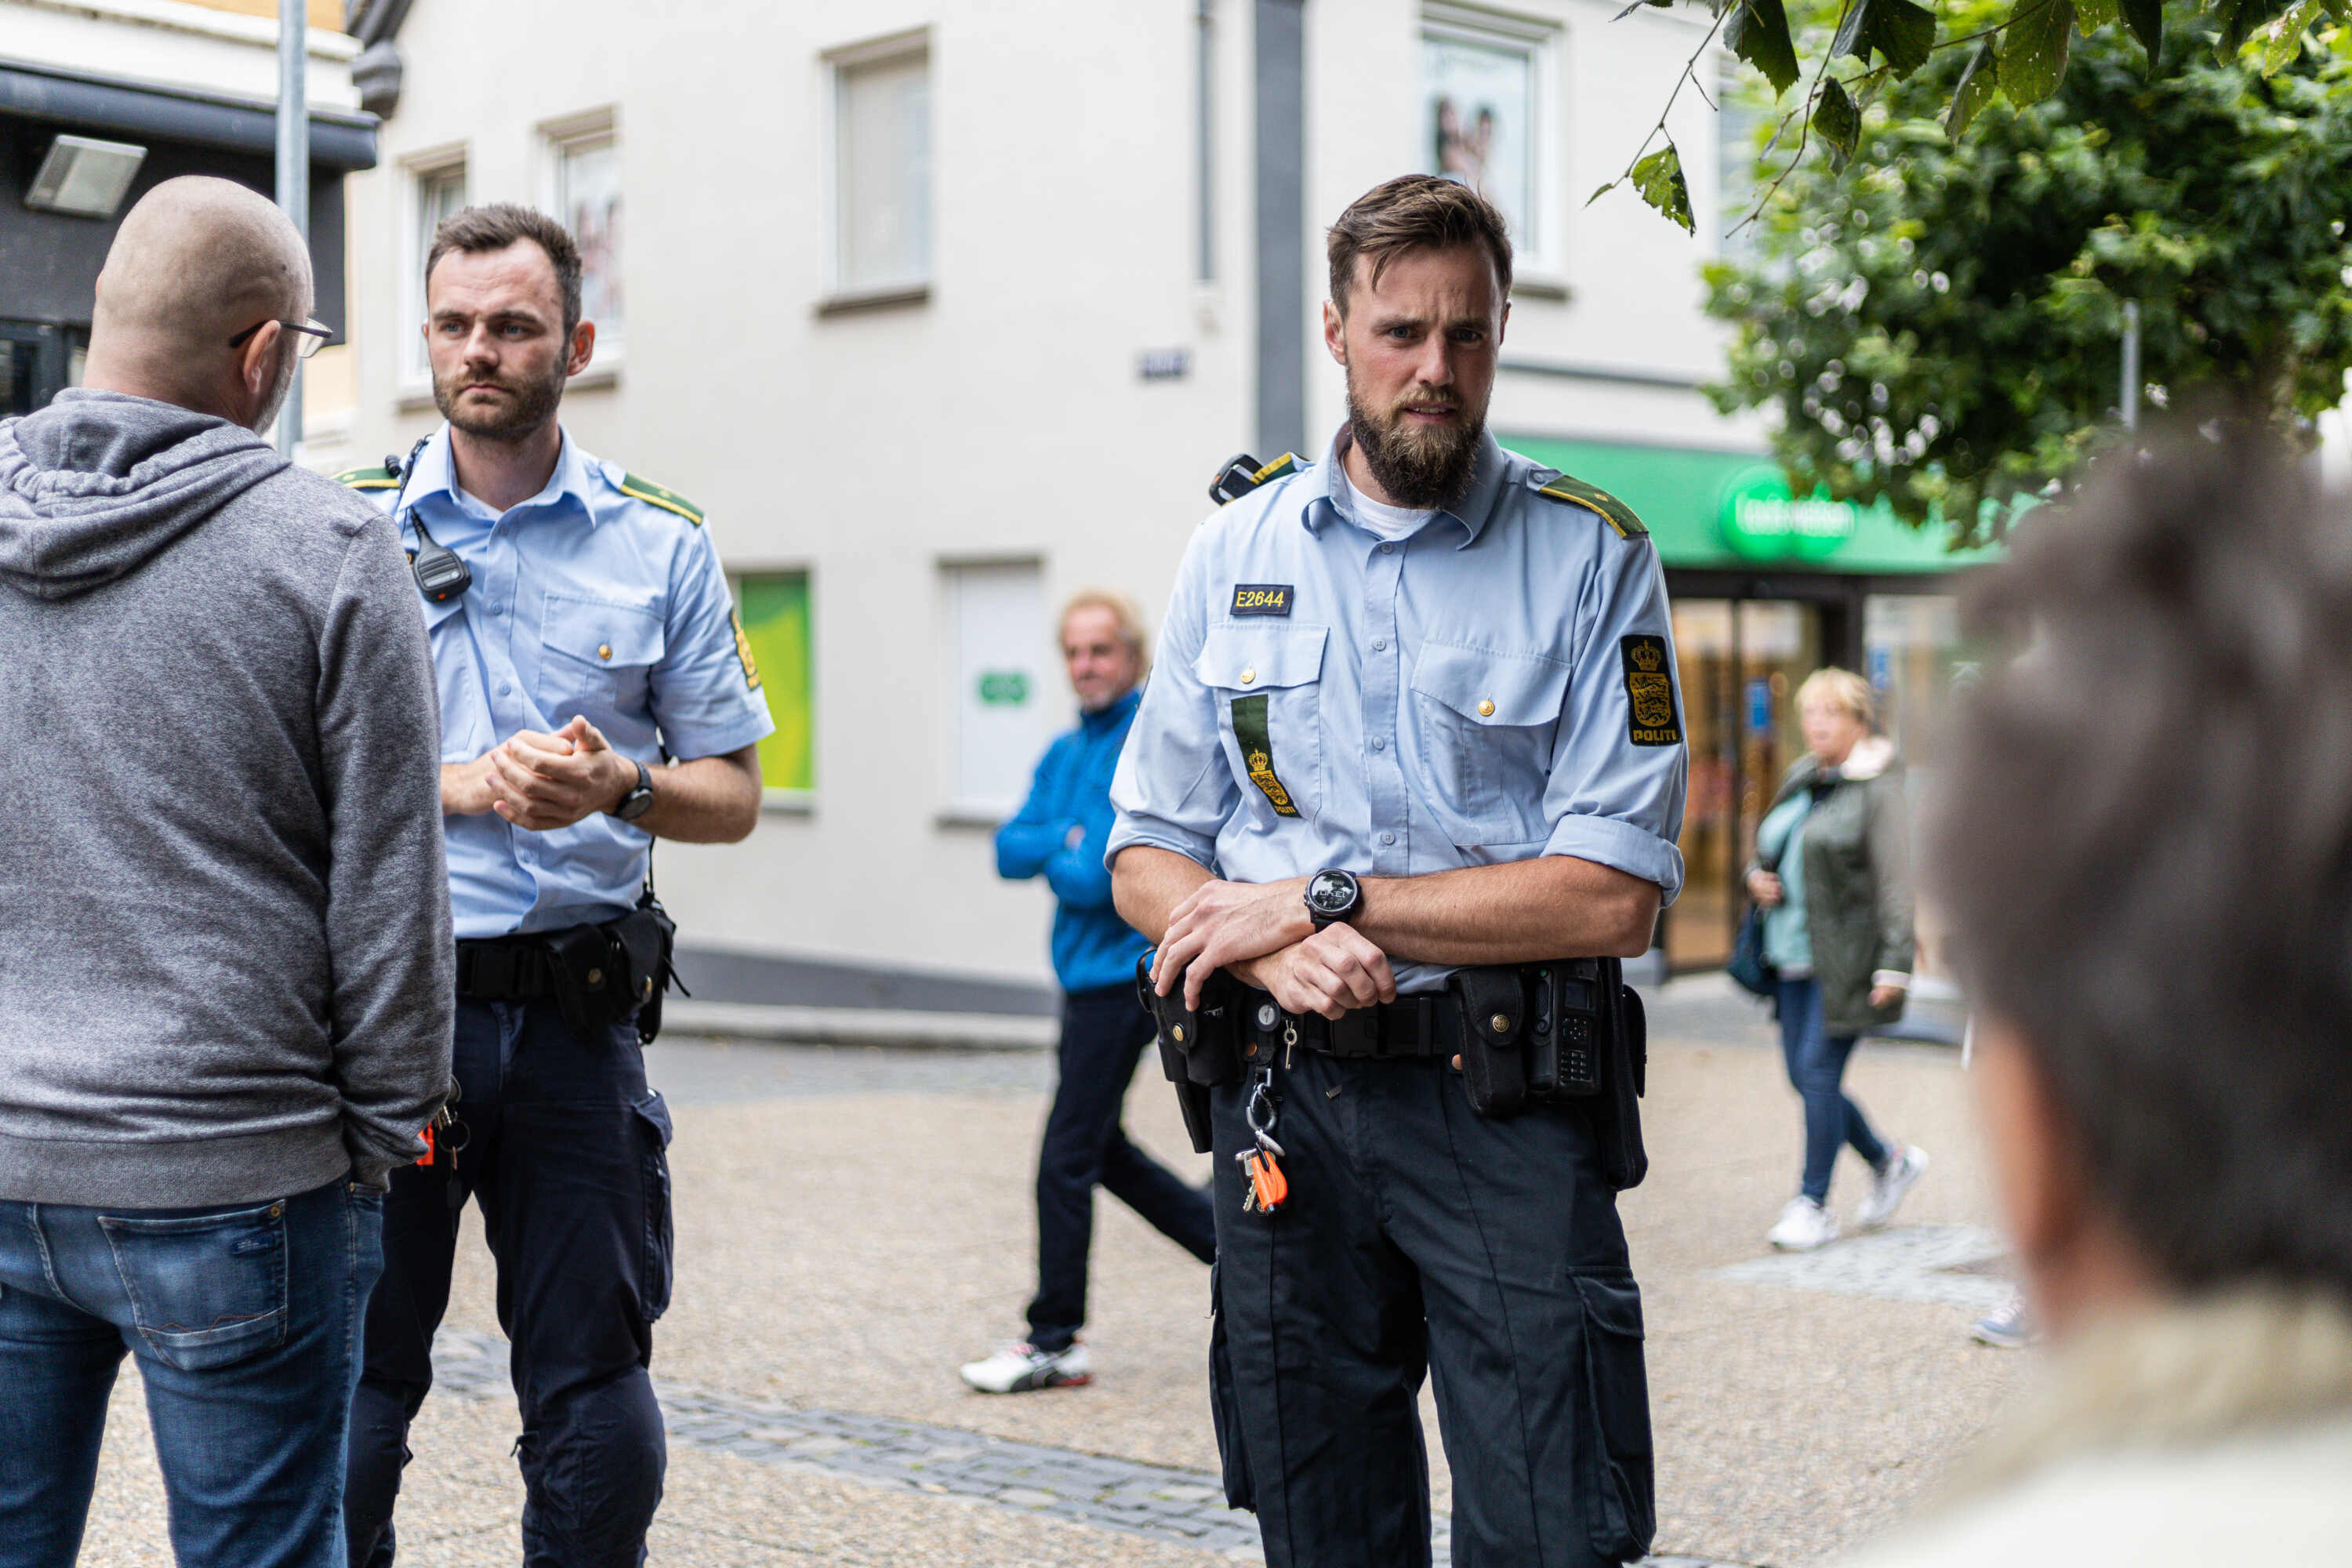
(1832, 875)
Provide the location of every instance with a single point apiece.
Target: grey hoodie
(225, 950)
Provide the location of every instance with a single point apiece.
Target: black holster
(609, 973)
(1567, 1032)
(1198, 1050)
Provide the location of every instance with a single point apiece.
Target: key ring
(1260, 1113)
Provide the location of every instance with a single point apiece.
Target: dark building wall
(49, 262)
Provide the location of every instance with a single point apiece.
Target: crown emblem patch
(1651, 719)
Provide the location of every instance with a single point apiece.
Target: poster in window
(592, 211)
(1479, 119)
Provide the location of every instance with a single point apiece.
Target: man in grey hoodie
(225, 983)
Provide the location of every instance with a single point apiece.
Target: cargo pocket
(661, 1242)
(1614, 1435)
(207, 1291)
(1224, 1410)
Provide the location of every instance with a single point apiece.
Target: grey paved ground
(851, 1223)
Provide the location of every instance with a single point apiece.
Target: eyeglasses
(314, 336)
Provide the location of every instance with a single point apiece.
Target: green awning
(1732, 511)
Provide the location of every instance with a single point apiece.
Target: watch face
(1331, 892)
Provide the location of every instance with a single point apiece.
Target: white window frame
(417, 171)
(582, 132)
(896, 48)
(1540, 268)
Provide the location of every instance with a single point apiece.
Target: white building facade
(944, 311)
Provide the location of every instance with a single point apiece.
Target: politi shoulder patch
(743, 654)
(661, 496)
(378, 479)
(1653, 718)
(1593, 497)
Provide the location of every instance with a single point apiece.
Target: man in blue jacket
(1060, 832)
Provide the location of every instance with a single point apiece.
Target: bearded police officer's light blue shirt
(1496, 687)
(599, 597)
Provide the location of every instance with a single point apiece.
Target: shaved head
(196, 261)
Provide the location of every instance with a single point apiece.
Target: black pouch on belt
(1197, 1049)
(606, 974)
(1494, 1006)
(1616, 1110)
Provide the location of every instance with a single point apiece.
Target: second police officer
(596, 693)
(1414, 724)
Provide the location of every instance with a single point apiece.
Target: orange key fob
(1268, 1183)
(427, 1135)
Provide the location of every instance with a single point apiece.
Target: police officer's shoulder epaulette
(1244, 474)
(661, 496)
(377, 479)
(1593, 497)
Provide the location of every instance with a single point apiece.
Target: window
(1486, 121)
(772, 608)
(882, 169)
(587, 198)
(999, 637)
(437, 191)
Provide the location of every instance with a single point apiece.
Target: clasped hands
(545, 782)
(1263, 934)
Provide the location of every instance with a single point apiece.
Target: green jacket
(1857, 847)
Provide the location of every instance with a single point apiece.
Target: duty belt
(1427, 1024)
(505, 969)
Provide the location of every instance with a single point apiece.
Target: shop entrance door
(1741, 662)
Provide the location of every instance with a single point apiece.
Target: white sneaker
(1804, 1225)
(1903, 1167)
(2008, 1326)
(1021, 1368)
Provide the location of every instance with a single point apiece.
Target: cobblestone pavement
(852, 1223)
(1183, 1506)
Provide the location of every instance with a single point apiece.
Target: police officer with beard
(595, 693)
(1413, 736)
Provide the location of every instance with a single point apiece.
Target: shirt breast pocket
(1267, 682)
(1486, 724)
(599, 660)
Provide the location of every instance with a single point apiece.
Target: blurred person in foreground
(2146, 850)
(1060, 833)
(596, 693)
(1833, 873)
(224, 1006)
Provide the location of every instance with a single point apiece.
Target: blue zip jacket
(1092, 946)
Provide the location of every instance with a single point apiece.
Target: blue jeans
(246, 1323)
(1816, 1064)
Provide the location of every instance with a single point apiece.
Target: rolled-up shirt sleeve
(1618, 776)
(1173, 789)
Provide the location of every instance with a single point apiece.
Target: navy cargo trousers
(1421, 1237)
(566, 1153)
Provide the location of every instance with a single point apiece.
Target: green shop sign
(1761, 519)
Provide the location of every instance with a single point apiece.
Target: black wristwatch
(640, 798)
(1333, 895)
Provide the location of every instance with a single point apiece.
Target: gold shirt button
(1248, 675)
(1486, 708)
(605, 650)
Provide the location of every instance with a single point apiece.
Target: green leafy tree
(2011, 51)
(1941, 326)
